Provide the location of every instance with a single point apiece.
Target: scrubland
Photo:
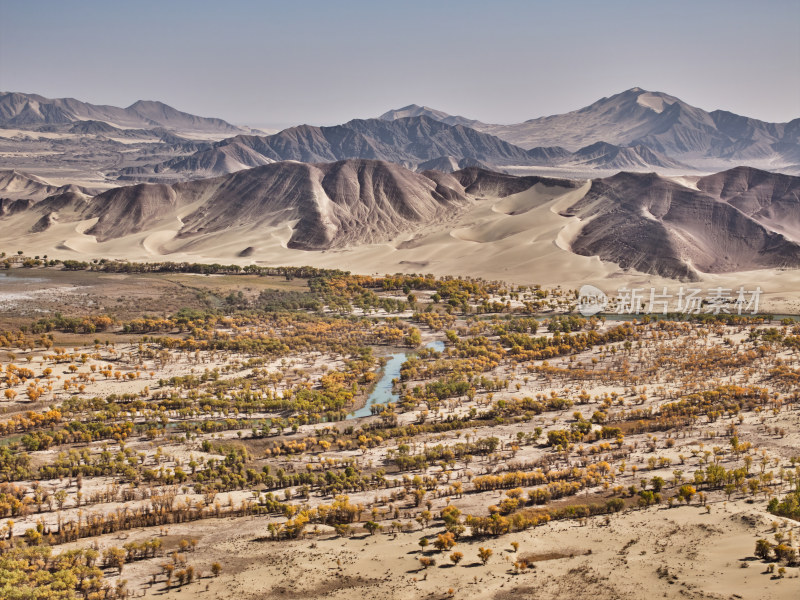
(200, 442)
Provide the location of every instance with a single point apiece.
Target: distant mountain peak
(411, 107)
(146, 103)
(639, 95)
(676, 131)
(415, 110)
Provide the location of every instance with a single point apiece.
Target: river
(383, 391)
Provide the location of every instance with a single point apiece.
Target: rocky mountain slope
(15, 185)
(655, 225)
(771, 199)
(330, 205)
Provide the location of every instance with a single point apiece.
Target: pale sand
(656, 549)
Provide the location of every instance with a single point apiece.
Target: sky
(275, 64)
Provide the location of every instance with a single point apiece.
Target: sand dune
(530, 199)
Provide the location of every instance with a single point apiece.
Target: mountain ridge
(417, 142)
(20, 109)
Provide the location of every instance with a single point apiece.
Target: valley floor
(595, 458)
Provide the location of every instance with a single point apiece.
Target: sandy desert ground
(673, 553)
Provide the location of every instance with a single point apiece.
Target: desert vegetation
(131, 440)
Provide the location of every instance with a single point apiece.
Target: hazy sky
(281, 63)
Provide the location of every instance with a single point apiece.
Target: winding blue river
(382, 393)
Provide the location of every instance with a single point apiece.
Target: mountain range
(410, 142)
(636, 130)
(658, 121)
(739, 220)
